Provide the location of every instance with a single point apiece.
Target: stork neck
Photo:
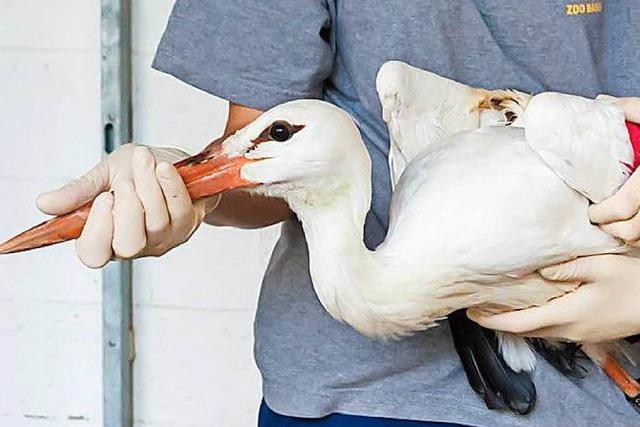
(342, 268)
(372, 291)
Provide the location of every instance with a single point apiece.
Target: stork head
(307, 152)
(304, 151)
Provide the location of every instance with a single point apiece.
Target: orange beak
(206, 174)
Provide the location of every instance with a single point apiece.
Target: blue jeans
(268, 418)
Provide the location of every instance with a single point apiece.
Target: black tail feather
(488, 374)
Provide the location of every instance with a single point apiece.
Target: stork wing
(584, 141)
(420, 108)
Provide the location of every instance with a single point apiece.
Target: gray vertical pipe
(117, 337)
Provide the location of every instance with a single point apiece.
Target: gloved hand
(142, 206)
(603, 308)
(606, 306)
(619, 215)
(631, 107)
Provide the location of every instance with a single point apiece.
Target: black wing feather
(562, 356)
(499, 386)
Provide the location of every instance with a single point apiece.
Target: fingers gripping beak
(206, 174)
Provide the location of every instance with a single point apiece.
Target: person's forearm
(244, 210)
(241, 209)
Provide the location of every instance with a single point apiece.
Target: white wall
(193, 308)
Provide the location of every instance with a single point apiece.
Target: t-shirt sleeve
(256, 53)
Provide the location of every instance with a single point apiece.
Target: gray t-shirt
(261, 53)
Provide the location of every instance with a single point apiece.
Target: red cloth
(634, 136)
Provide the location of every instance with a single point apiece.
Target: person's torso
(584, 48)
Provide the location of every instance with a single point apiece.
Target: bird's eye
(280, 132)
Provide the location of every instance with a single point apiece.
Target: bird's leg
(618, 374)
(603, 356)
(511, 103)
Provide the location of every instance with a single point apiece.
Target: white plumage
(492, 183)
(584, 141)
(478, 206)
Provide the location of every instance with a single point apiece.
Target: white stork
(489, 186)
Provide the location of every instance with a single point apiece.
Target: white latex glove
(619, 215)
(142, 206)
(631, 107)
(605, 307)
